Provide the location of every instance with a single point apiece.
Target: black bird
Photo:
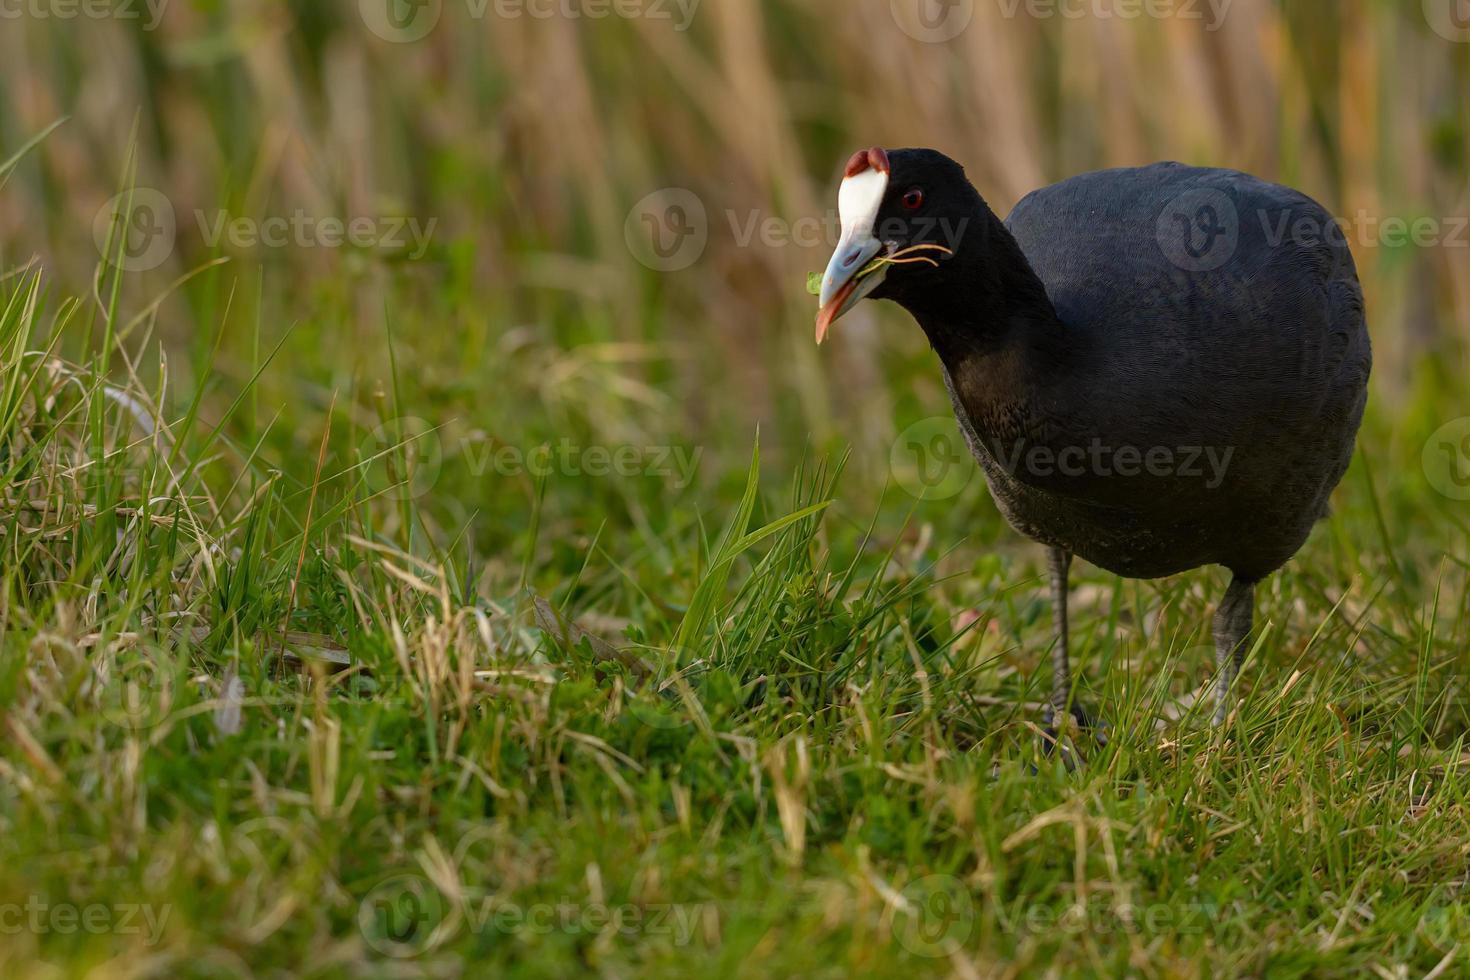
(1157, 368)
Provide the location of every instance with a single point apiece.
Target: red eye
(914, 199)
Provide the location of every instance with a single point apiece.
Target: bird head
(904, 214)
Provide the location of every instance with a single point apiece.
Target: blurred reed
(529, 138)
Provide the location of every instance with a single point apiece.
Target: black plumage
(1157, 368)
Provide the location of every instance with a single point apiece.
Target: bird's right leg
(1059, 563)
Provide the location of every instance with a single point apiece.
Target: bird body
(1157, 368)
(1245, 381)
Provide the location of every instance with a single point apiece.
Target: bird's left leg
(1232, 625)
(1059, 563)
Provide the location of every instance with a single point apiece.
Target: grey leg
(1232, 625)
(1060, 562)
(1061, 669)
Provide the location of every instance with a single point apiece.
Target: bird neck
(996, 331)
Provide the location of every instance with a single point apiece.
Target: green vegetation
(478, 598)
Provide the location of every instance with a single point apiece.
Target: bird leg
(1059, 562)
(1232, 626)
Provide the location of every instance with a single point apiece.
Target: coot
(1157, 368)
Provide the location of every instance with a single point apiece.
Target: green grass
(793, 733)
(516, 610)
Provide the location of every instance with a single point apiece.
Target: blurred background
(592, 221)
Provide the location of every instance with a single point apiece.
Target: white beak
(841, 290)
(858, 202)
